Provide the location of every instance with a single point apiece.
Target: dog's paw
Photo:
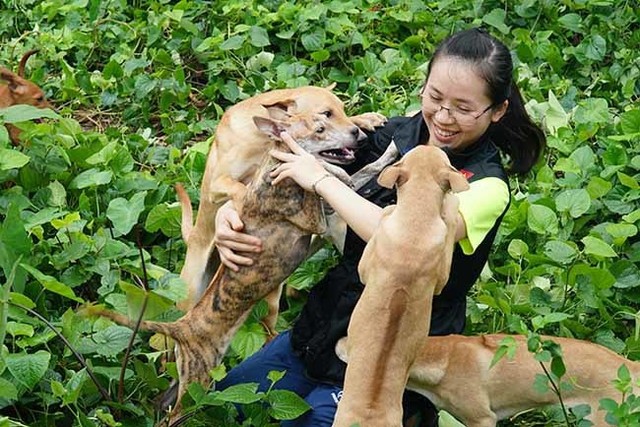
(369, 121)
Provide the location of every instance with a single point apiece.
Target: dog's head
(321, 134)
(337, 136)
(424, 163)
(21, 90)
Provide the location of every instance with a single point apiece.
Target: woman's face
(456, 105)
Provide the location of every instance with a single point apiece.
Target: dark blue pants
(278, 355)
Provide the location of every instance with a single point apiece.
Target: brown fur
(235, 154)
(404, 264)
(18, 90)
(455, 373)
(284, 217)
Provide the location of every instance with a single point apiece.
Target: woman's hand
(298, 165)
(229, 238)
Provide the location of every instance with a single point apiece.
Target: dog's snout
(358, 134)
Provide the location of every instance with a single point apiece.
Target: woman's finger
(292, 144)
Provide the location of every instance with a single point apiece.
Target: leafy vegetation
(89, 213)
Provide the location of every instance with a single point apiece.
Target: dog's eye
(327, 113)
(320, 129)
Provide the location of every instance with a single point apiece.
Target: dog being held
(234, 156)
(284, 217)
(18, 90)
(393, 314)
(454, 372)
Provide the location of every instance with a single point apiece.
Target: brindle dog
(284, 217)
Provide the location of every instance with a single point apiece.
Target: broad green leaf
(233, 43)
(542, 220)
(571, 21)
(28, 369)
(596, 47)
(240, 393)
(597, 247)
(109, 341)
(51, 283)
(12, 159)
(314, 41)
(103, 156)
(286, 405)
(555, 116)
(249, 339)
(14, 244)
(165, 218)
(576, 202)
(628, 181)
(598, 187)
(592, 110)
(124, 213)
(90, 178)
(156, 304)
(8, 391)
(630, 121)
(15, 329)
(23, 112)
(560, 251)
(517, 248)
(496, 19)
(258, 36)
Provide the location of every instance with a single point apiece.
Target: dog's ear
(270, 127)
(392, 175)
(457, 181)
(281, 110)
(15, 83)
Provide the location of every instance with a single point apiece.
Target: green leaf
(233, 43)
(314, 41)
(109, 341)
(240, 393)
(124, 213)
(8, 390)
(517, 248)
(555, 116)
(571, 21)
(576, 202)
(597, 247)
(249, 339)
(630, 121)
(628, 181)
(592, 110)
(258, 36)
(51, 283)
(542, 220)
(286, 405)
(560, 252)
(28, 369)
(12, 159)
(496, 18)
(23, 112)
(90, 178)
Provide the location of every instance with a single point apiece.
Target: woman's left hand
(298, 165)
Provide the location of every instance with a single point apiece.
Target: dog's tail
(187, 212)
(24, 59)
(165, 328)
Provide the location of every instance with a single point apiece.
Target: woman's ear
(499, 111)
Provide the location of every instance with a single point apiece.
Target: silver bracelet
(313, 186)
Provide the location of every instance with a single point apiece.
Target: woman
(472, 109)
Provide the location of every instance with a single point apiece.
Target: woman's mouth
(443, 134)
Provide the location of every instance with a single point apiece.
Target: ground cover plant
(88, 208)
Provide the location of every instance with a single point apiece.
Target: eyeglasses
(462, 116)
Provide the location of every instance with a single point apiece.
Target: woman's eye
(435, 98)
(465, 109)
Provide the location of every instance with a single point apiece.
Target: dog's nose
(358, 134)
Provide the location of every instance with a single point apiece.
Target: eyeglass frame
(450, 113)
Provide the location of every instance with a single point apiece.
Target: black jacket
(325, 317)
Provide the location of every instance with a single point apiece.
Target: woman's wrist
(325, 176)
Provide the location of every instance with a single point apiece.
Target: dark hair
(515, 132)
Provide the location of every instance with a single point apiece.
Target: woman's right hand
(229, 238)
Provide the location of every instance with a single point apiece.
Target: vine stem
(556, 390)
(101, 389)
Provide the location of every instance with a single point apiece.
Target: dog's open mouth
(338, 156)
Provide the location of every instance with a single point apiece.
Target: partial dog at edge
(455, 373)
(393, 314)
(18, 90)
(284, 217)
(235, 154)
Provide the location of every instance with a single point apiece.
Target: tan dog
(455, 373)
(236, 152)
(19, 90)
(284, 217)
(404, 264)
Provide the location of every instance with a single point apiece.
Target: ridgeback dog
(406, 262)
(235, 153)
(284, 216)
(18, 90)
(455, 373)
